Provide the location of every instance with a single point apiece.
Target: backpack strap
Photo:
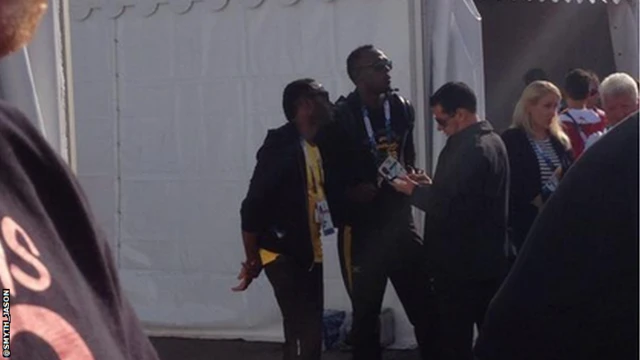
(583, 136)
(406, 109)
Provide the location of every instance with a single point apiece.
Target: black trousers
(368, 258)
(461, 305)
(299, 292)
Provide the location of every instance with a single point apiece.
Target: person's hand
(362, 193)
(404, 184)
(420, 177)
(249, 271)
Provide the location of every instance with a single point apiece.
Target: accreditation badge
(391, 169)
(323, 218)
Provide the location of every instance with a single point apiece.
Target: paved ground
(191, 349)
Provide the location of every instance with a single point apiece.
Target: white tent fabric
(623, 25)
(32, 79)
(580, 1)
(172, 102)
(455, 53)
(18, 87)
(170, 111)
(171, 106)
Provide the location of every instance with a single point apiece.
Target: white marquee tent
(173, 98)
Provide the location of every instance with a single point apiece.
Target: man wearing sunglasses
(466, 208)
(377, 238)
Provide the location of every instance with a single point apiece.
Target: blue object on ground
(332, 321)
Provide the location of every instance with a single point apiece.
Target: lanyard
(578, 127)
(387, 126)
(541, 154)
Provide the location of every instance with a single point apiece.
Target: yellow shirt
(315, 194)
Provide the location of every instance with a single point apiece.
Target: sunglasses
(442, 122)
(381, 65)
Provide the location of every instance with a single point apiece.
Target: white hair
(618, 84)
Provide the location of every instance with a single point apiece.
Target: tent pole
(69, 130)
(427, 67)
(419, 88)
(417, 83)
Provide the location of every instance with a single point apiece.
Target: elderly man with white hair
(619, 96)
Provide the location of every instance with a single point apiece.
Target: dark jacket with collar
(525, 180)
(351, 162)
(466, 206)
(275, 207)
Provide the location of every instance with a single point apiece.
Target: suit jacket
(525, 180)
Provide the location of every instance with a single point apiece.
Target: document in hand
(391, 169)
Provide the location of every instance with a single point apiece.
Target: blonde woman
(539, 151)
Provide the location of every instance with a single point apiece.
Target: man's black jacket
(466, 206)
(276, 205)
(347, 151)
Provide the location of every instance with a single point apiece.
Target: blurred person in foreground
(56, 267)
(539, 153)
(285, 214)
(466, 217)
(619, 97)
(573, 291)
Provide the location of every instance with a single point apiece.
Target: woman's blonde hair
(530, 96)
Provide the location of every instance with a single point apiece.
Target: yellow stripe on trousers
(346, 253)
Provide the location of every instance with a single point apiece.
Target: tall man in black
(377, 239)
(284, 215)
(466, 208)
